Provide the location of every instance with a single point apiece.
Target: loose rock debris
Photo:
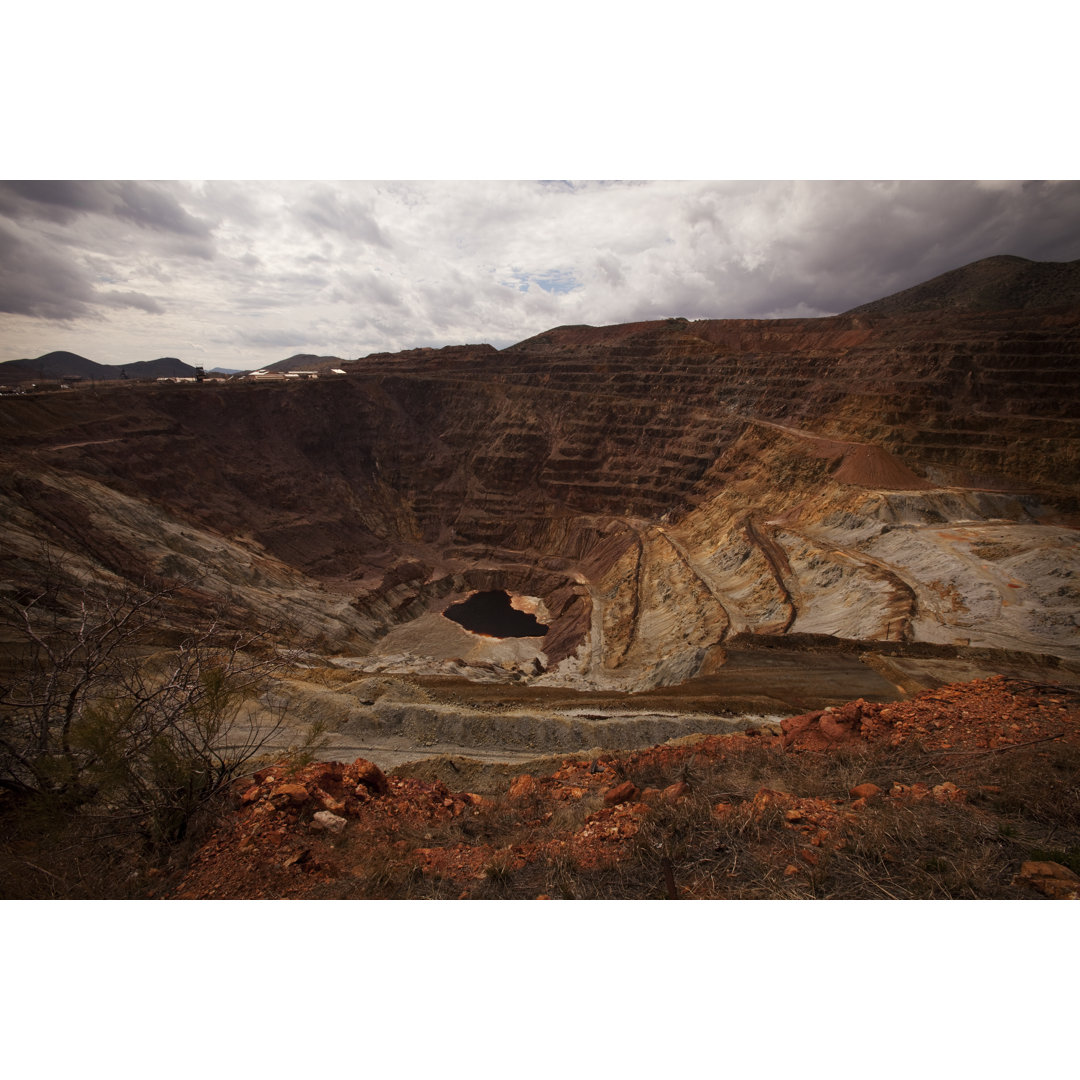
(348, 830)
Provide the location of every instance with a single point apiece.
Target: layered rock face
(654, 492)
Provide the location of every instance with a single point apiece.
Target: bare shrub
(105, 738)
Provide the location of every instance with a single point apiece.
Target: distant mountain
(66, 365)
(54, 365)
(226, 371)
(305, 362)
(999, 283)
(166, 367)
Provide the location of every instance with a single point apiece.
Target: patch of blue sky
(552, 281)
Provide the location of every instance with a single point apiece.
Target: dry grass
(1021, 805)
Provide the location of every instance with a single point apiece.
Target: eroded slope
(656, 490)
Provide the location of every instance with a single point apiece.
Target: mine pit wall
(620, 474)
(397, 457)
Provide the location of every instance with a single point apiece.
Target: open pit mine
(600, 536)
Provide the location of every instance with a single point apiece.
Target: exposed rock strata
(657, 487)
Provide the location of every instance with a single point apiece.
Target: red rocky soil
(334, 830)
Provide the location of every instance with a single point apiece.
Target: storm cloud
(147, 205)
(39, 284)
(133, 269)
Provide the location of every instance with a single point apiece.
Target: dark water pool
(491, 613)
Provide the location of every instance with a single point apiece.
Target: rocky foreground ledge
(966, 791)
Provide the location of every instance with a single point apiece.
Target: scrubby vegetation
(734, 817)
(125, 771)
(116, 752)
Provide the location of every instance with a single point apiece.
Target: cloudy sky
(240, 274)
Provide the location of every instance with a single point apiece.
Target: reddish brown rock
(823, 729)
(286, 795)
(1053, 880)
(522, 787)
(624, 792)
(764, 797)
(792, 726)
(1047, 869)
(947, 792)
(243, 860)
(841, 725)
(329, 803)
(368, 774)
(326, 773)
(674, 792)
(864, 791)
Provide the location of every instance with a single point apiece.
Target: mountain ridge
(997, 283)
(67, 365)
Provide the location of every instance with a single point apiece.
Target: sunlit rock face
(649, 492)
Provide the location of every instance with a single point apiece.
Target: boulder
(674, 792)
(824, 728)
(368, 774)
(841, 725)
(624, 792)
(328, 821)
(792, 726)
